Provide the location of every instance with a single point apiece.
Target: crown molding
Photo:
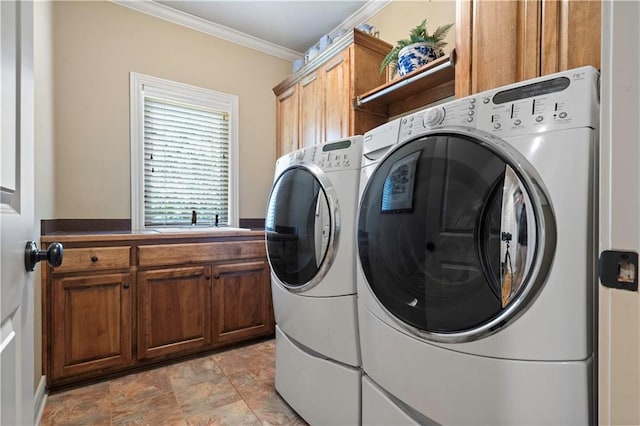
(195, 23)
(363, 14)
(181, 18)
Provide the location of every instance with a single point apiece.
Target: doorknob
(53, 255)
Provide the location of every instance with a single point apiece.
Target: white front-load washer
(310, 232)
(477, 258)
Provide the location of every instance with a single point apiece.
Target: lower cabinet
(108, 309)
(174, 310)
(242, 301)
(91, 318)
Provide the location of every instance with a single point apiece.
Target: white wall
(619, 340)
(45, 190)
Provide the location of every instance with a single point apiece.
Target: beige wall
(96, 45)
(398, 18)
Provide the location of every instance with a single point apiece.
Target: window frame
(184, 93)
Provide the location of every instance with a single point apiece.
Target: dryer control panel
(553, 102)
(344, 154)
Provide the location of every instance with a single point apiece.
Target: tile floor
(234, 387)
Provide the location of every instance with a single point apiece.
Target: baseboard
(40, 400)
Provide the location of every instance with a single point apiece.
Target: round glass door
(300, 227)
(448, 236)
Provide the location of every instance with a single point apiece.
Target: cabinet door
(287, 122)
(503, 42)
(337, 101)
(242, 301)
(311, 110)
(91, 324)
(497, 43)
(571, 34)
(174, 307)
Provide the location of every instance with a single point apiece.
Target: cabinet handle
(216, 276)
(125, 285)
(94, 258)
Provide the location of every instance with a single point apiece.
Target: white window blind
(184, 154)
(186, 164)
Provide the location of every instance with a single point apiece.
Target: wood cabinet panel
(571, 35)
(501, 42)
(174, 308)
(311, 101)
(504, 53)
(189, 253)
(242, 301)
(94, 259)
(337, 99)
(287, 122)
(92, 321)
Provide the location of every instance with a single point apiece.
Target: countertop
(153, 234)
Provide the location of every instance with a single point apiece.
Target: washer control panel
(343, 154)
(553, 102)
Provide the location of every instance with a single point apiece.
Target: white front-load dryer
(477, 258)
(310, 232)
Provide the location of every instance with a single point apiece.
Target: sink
(199, 229)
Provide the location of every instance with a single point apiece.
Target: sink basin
(200, 229)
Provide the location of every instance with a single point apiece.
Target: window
(183, 154)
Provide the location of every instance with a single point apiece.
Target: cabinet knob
(216, 276)
(125, 285)
(94, 258)
(53, 255)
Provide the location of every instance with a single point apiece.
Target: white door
(16, 213)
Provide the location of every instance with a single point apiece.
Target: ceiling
(284, 28)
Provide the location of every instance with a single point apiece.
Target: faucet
(194, 217)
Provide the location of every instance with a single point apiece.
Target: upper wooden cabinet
(503, 42)
(315, 104)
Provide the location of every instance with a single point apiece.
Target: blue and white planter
(415, 56)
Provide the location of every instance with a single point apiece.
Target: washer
(310, 228)
(477, 258)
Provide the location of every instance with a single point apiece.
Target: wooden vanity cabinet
(223, 298)
(125, 301)
(503, 42)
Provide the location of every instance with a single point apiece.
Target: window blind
(186, 164)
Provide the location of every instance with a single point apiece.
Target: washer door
(301, 226)
(455, 235)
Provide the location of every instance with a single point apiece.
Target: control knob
(434, 116)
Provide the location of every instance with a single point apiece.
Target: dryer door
(301, 226)
(455, 235)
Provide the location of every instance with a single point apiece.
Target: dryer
(477, 258)
(310, 233)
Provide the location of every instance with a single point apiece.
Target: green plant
(417, 35)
